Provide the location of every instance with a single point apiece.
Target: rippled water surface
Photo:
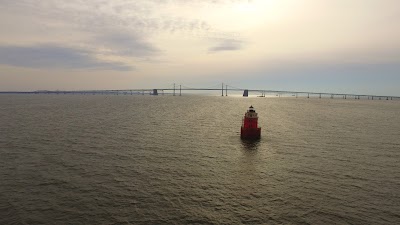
(79, 159)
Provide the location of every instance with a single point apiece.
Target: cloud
(122, 30)
(126, 44)
(60, 57)
(141, 17)
(126, 30)
(226, 45)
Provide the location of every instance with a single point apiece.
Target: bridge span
(175, 91)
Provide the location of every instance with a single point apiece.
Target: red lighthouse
(250, 129)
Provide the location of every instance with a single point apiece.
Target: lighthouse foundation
(250, 133)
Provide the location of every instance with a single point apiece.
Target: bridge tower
(246, 93)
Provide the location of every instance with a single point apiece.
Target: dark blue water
(76, 159)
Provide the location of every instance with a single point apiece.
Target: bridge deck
(151, 90)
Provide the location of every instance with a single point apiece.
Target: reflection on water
(250, 145)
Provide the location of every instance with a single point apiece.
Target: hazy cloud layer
(226, 45)
(125, 44)
(140, 17)
(55, 57)
(117, 28)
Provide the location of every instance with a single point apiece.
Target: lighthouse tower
(250, 129)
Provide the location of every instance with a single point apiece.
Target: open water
(97, 159)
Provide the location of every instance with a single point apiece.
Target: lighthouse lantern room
(250, 129)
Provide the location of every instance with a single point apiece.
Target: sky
(342, 46)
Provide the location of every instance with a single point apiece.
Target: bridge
(176, 90)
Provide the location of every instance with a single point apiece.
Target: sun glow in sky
(305, 45)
